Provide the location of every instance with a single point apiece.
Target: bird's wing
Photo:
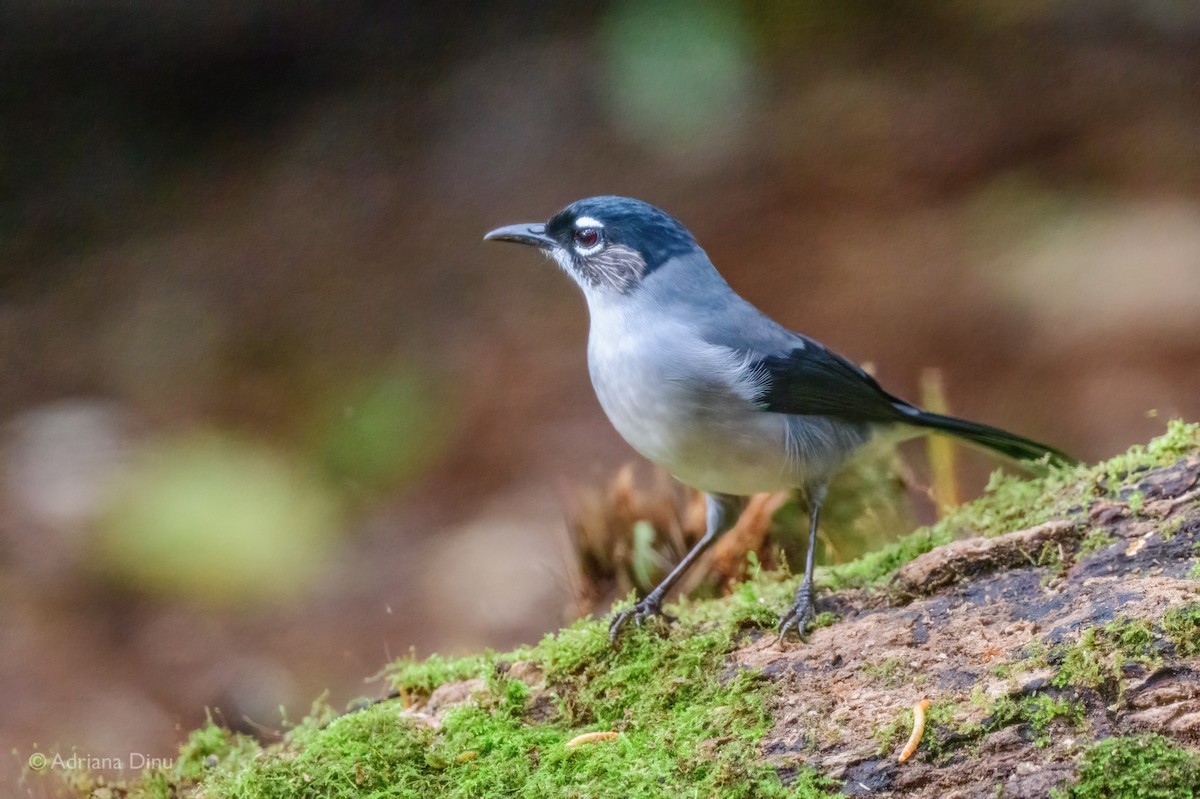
(809, 379)
(794, 373)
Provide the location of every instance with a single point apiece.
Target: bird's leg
(722, 512)
(804, 609)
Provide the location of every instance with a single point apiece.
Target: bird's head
(606, 244)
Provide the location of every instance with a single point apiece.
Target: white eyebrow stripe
(587, 221)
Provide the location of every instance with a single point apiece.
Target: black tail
(1014, 446)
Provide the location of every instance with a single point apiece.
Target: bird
(702, 383)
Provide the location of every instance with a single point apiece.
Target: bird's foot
(800, 614)
(648, 607)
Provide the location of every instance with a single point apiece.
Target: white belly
(686, 406)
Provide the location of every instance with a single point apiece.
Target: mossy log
(1053, 626)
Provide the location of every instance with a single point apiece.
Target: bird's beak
(534, 234)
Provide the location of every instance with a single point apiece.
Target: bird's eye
(587, 238)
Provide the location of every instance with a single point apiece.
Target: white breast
(688, 405)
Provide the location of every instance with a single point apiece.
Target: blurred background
(272, 414)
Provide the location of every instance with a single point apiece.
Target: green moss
(206, 750)
(1099, 656)
(823, 619)
(208, 747)
(371, 752)
(1171, 528)
(1050, 556)
(1181, 625)
(1141, 767)
(1036, 651)
(415, 679)
(1180, 439)
(755, 604)
(1004, 671)
(1039, 711)
(685, 727)
(1012, 502)
(1131, 637)
(1096, 540)
(874, 568)
(808, 784)
(1036, 711)
(889, 736)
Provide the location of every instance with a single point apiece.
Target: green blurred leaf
(386, 430)
(216, 519)
(646, 563)
(682, 76)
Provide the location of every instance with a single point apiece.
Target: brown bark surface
(986, 620)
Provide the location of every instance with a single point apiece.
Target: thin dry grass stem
(942, 456)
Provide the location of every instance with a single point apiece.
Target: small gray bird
(700, 382)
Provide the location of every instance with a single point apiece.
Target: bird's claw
(646, 608)
(799, 615)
